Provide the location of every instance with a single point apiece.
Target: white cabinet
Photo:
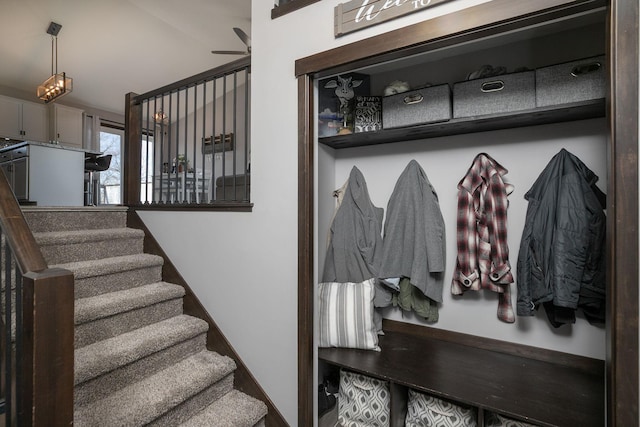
(10, 118)
(66, 125)
(22, 120)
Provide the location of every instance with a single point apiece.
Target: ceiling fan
(245, 39)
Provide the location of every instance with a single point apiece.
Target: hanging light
(59, 84)
(161, 117)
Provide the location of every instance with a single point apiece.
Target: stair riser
(98, 285)
(63, 253)
(108, 327)
(195, 404)
(46, 221)
(110, 382)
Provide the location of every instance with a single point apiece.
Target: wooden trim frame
(306, 207)
(622, 216)
(495, 17)
(289, 7)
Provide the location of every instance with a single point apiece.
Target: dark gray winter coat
(561, 258)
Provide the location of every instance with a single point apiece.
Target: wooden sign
(359, 14)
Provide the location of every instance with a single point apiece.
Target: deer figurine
(344, 89)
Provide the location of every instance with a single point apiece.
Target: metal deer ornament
(344, 91)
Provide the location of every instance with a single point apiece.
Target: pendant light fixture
(59, 84)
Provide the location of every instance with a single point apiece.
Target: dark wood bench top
(543, 386)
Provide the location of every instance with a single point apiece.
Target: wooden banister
(44, 383)
(17, 232)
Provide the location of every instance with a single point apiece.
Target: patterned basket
(362, 401)
(427, 411)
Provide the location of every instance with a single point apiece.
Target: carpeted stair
(138, 359)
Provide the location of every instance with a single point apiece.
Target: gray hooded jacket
(355, 244)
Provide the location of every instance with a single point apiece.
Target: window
(111, 140)
(111, 180)
(146, 169)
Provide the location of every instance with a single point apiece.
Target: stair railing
(187, 144)
(36, 342)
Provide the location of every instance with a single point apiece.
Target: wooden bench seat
(541, 386)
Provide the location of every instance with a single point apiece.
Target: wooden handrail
(45, 378)
(211, 74)
(17, 232)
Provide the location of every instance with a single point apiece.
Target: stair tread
(109, 354)
(112, 303)
(98, 267)
(235, 409)
(82, 236)
(47, 218)
(145, 400)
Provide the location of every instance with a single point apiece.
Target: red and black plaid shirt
(483, 253)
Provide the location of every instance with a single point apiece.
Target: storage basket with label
(492, 95)
(428, 105)
(573, 81)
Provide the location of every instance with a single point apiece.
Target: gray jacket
(414, 234)
(355, 244)
(561, 258)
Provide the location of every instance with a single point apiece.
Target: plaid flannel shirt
(483, 253)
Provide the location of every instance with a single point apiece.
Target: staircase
(138, 359)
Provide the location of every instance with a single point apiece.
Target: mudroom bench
(539, 386)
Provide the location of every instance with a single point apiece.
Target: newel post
(48, 327)
(132, 150)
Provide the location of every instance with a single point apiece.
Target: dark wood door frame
(622, 213)
(622, 216)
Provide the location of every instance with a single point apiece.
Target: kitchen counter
(45, 174)
(48, 145)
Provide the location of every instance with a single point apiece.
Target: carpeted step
(109, 365)
(138, 359)
(235, 409)
(59, 247)
(163, 397)
(97, 277)
(43, 219)
(107, 315)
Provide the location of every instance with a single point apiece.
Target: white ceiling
(112, 47)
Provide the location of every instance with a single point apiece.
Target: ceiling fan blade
(243, 36)
(230, 52)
